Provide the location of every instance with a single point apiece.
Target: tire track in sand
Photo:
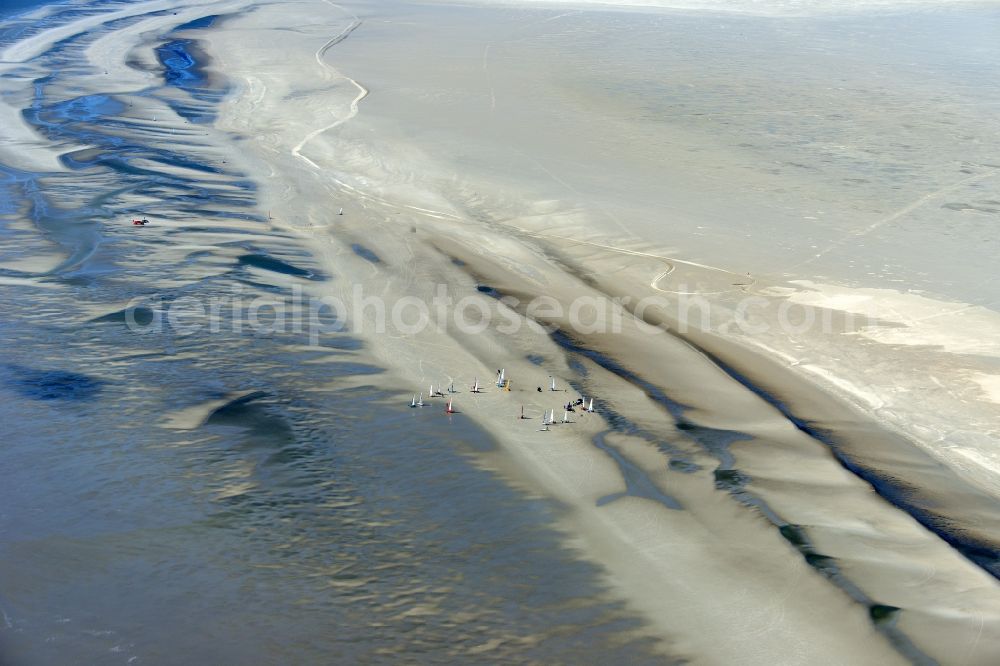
(327, 69)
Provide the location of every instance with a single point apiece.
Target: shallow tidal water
(242, 496)
(233, 496)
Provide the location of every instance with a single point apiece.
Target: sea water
(230, 496)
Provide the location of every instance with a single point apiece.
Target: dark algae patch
(882, 614)
(795, 535)
(52, 384)
(488, 290)
(730, 479)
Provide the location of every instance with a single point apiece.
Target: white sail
(552, 384)
(420, 401)
(590, 408)
(413, 400)
(565, 417)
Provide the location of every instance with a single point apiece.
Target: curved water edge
(281, 481)
(728, 478)
(279, 524)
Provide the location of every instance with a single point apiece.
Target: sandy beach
(792, 454)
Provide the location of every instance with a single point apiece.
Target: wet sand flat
(739, 495)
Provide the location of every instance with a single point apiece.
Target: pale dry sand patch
(990, 384)
(957, 328)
